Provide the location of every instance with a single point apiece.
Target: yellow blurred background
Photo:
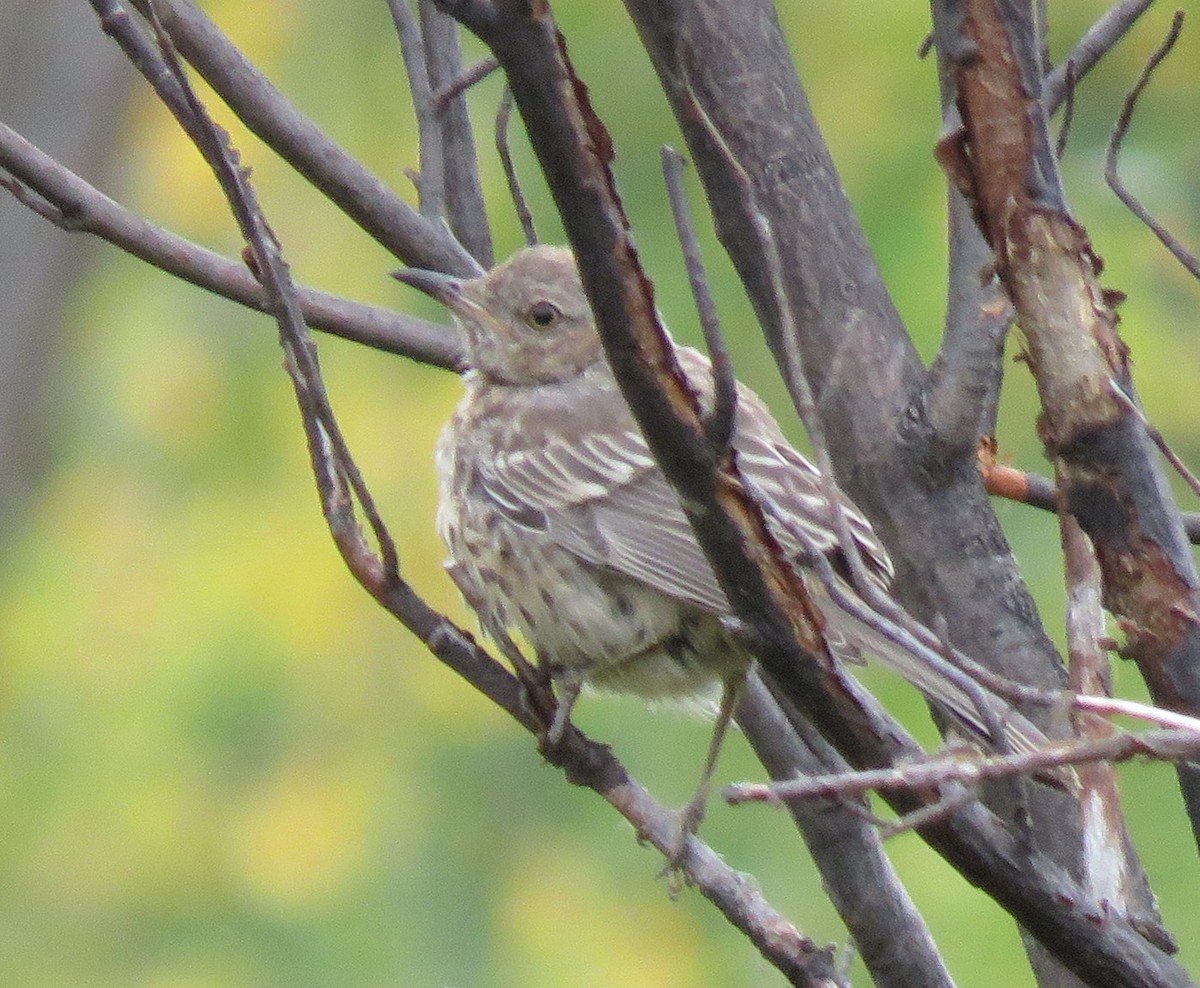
(222, 765)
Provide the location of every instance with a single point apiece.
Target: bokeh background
(220, 763)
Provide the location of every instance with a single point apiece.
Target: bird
(561, 526)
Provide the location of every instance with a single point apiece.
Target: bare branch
(927, 665)
(800, 960)
(1039, 492)
(721, 420)
(1064, 130)
(970, 770)
(1156, 437)
(1108, 870)
(69, 202)
(855, 871)
(961, 394)
(294, 137)
(476, 73)
(503, 117)
(465, 209)
(431, 190)
(1097, 42)
(1184, 256)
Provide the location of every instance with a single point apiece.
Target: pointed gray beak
(443, 287)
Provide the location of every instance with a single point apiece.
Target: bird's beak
(443, 287)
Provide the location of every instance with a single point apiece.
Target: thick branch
(1106, 466)
(848, 850)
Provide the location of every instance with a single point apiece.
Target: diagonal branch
(1109, 28)
(295, 138)
(1132, 203)
(72, 204)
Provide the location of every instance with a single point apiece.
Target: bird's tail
(852, 640)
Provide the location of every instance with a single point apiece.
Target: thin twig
(972, 769)
(1111, 705)
(1064, 131)
(1185, 257)
(950, 803)
(720, 422)
(503, 117)
(430, 181)
(475, 74)
(337, 474)
(466, 211)
(1131, 406)
(306, 147)
(1096, 42)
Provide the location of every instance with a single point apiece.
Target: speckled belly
(585, 623)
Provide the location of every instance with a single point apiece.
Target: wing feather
(591, 483)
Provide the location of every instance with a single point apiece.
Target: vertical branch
(847, 850)
(1106, 467)
(429, 180)
(1106, 867)
(722, 419)
(465, 210)
(504, 150)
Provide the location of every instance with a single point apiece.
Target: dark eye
(542, 314)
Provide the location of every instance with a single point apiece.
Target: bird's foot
(552, 737)
(688, 822)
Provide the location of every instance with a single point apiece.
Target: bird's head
(527, 321)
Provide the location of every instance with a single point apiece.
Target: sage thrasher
(560, 524)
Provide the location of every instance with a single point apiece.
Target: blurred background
(220, 763)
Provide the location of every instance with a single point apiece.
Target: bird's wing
(601, 496)
(587, 478)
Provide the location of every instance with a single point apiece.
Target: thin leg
(692, 815)
(567, 692)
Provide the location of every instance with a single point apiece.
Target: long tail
(852, 641)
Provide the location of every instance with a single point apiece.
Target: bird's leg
(692, 815)
(566, 693)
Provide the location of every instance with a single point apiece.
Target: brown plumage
(560, 525)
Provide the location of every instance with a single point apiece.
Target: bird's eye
(542, 314)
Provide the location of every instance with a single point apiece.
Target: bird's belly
(587, 624)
